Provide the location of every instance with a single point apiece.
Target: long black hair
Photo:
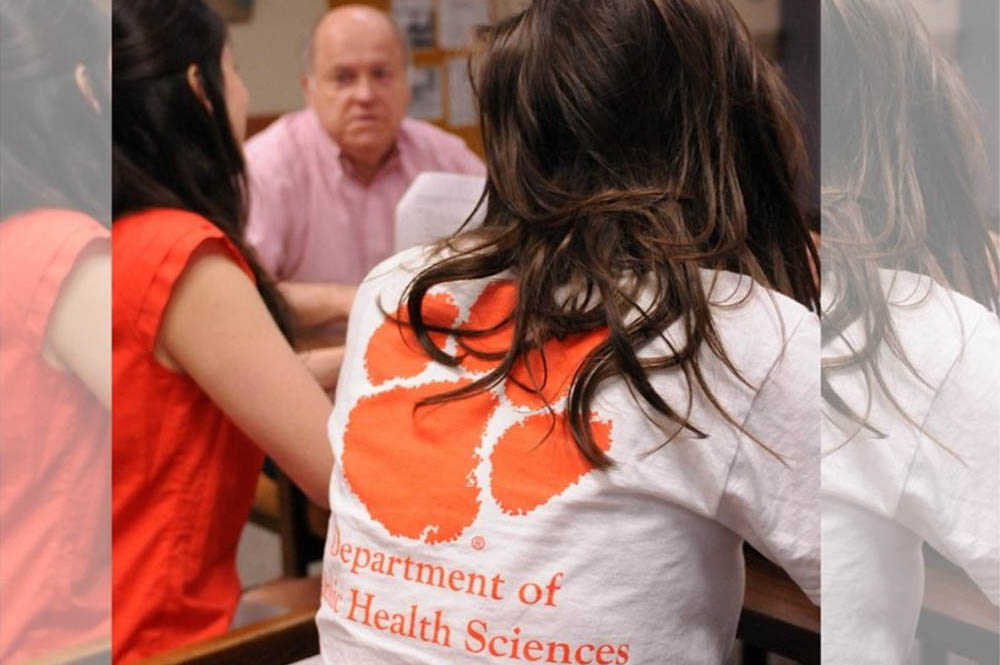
(629, 144)
(54, 144)
(169, 149)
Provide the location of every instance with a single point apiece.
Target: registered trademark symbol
(478, 543)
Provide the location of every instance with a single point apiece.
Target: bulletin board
(439, 33)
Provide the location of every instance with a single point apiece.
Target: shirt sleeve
(950, 496)
(149, 254)
(38, 252)
(771, 495)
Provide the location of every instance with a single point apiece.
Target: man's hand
(316, 304)
(324, 364)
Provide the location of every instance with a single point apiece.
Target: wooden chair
(266, 505)
(283, 639)
(302, 527)
(259, 122)
(956, 617)
(97, 652)
(282, 507)
(277, 641)
(777, 616)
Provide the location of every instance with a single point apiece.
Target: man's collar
(336, 156)
(390, 161)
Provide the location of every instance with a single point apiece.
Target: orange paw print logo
(416, 470)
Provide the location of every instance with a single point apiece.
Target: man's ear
(308, 85)
(408, 83)
(194, 80)
(82, 79)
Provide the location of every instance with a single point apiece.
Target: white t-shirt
(883, 496)
(461, 534)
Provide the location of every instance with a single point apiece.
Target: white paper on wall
(415, 19)
(459, 18)
(461, 99)
(435, 206)
(425, 93)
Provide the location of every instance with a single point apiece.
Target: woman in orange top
(55, 329)
(205, 381)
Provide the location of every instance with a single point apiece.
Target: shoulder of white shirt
(736, 299)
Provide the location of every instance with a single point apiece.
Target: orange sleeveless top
(183, 474)
(55, 480)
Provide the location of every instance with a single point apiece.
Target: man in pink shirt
(324, 181)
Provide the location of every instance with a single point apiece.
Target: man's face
(358, 86)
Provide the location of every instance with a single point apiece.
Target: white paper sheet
(435, 206)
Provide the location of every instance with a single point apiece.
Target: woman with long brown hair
(910, 333)
(554, 448)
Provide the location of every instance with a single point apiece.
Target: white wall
(268, 50)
